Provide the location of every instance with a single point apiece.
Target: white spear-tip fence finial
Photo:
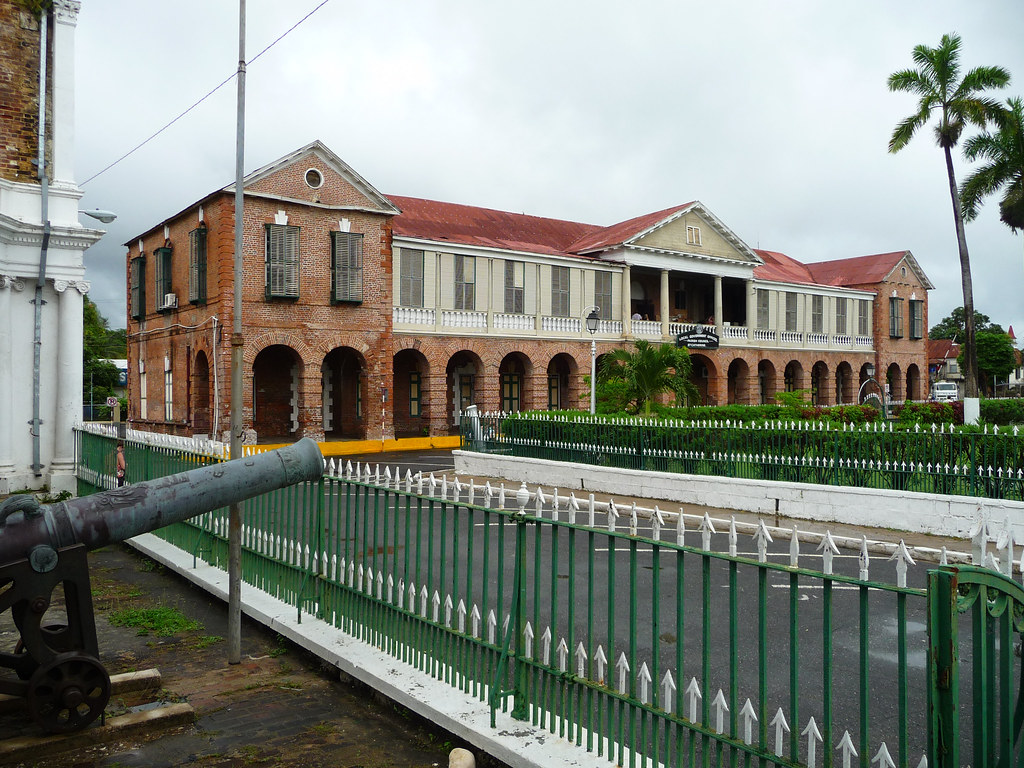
(781, 727)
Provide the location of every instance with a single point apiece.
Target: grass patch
(207, 640)
(161, 621)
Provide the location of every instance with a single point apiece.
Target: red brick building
(370, 316)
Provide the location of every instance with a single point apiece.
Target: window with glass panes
(415, 402)
(560, 291)
(510, 386)
(282, 261)
(197, 265)
(553, 393)
(515, 280)
(411, 278)
(465, 282)
(346, 267)
(603, 294)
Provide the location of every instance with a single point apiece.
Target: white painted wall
(952, 516)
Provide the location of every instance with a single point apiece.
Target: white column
(664, 302)
(718, 305)
(627, 300)
(751, 308)
(68, 411)
(65, 13)
(8, 285)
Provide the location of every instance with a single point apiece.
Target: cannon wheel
(68, 693)
(56, 636)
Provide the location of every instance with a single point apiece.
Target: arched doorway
(275, 395)
(463, 374)
(561, 374)
(913, 391)
(819, 383)
(893, 384)
(738, 382)
(201, 406)
(343, 379)
(705, 377)
(766, 382)
(793, 376)
(410, 406)
(513, 375)
(844, 383)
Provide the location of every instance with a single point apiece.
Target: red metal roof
(943, 349)
(469, 225)
(780, 268)
(862, 270)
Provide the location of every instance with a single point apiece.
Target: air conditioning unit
(170, 301)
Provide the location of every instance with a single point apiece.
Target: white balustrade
(513, 322)
(735, 331)
(820, 339)
(863, 341)
(458, 319)
(412, 316)
(791, 337)
(842, 340)
(561, 324)
(765, 334)
(646, 328)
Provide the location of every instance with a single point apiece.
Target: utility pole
(237, 347)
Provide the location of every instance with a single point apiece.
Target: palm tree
(647, 371)
(1003, 153)
(957, 102)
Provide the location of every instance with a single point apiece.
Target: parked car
(945, 391)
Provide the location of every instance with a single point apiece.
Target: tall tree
(995, 359)
(952, 326)
(641, 374)
(956, 102)
(1003, 169)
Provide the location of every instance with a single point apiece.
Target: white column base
(972, 410)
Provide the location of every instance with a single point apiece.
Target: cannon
(56, 667)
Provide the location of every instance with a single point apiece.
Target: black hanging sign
(698, 338)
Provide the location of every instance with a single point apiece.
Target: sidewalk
(280, 707)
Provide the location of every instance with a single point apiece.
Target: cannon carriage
(55, 667)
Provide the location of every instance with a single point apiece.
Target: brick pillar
(311, 404)
(436, 392)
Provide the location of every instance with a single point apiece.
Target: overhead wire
(227, 80)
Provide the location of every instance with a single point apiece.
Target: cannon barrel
(111, 516)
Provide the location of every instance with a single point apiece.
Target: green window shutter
(197, 266)
(346, 266)
(282, 261)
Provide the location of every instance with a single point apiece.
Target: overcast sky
(776, 115)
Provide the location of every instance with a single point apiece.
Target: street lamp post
(592, 322)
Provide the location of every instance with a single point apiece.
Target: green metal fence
(635, 640)
(871, 456)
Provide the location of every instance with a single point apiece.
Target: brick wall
(19, 92)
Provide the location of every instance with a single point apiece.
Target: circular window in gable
(314, 178)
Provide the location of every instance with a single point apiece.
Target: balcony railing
(522, 324)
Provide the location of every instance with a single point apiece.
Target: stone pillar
(664, 303)
(68, 410)
(8, 285)
(718, 305)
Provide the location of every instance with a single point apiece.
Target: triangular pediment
(695, 231)
(315, 174)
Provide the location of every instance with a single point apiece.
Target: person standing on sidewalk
(121, 466)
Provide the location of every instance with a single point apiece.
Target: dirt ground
(279, 707)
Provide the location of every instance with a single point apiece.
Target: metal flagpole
(235, 512)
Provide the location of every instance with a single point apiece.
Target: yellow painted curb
(352, 447)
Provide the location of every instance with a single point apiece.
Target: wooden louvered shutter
(347, 266)
(282, 261)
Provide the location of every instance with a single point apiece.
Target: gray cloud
(775, 115)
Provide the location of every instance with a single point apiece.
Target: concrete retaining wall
(952, 516)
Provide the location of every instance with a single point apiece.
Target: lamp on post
(593, 319)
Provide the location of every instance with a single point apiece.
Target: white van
(944, 391)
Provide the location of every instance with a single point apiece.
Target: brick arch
(280, 338)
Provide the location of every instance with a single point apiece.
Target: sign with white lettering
(698, 338)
